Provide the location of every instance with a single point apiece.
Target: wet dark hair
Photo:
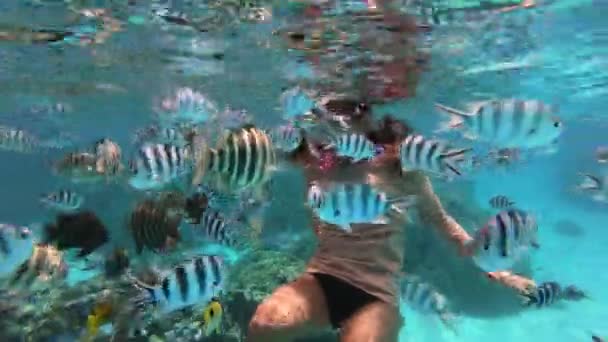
(389, 131)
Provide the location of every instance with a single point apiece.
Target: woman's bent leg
(293, 310)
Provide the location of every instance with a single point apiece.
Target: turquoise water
(109, 88)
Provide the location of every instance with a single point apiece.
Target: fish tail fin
(589, 182)
(400, 204)
(453, 158)
(449, 320)
(457, 118)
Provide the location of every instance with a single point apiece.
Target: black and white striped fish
(434, 156)
(504, 240)
(510, 123)
(346, 204)
(501, 202)
(156, 165)
(543, 295)
(193, 282)
(63, 200)
(215, 228)
(287, 138)
(17, 140)
(354, 146)
(16, 245)
(244, 158)
(423, 297)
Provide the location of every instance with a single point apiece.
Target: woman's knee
(290, 311)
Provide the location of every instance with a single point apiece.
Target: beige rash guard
(371, 257)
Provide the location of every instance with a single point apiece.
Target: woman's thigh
(293, 310)
(375, 322)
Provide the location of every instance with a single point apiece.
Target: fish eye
(557, 124)
(211, 312)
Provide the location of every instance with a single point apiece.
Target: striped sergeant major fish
(63, 200)
(423, 297)
(550, 292)
(501, 202)
(17, 140)
(156, 165)
(434, 156)
(543, 295)
(287, 138)
(504, 240)
(245, 158)
(354, 146)
(345, 204)
(509, 123)
(16, 245)
(195, 281)
(215, 228)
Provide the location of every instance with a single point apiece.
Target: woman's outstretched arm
(433, 214)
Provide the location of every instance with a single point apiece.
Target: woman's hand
(520, 284)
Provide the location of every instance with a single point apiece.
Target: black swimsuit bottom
(343, 299)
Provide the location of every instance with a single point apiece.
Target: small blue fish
(354, 146)
(296, 103)
(196, 281)
(346, 204)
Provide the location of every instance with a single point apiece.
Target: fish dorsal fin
(454, 111)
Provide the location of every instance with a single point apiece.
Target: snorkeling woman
(351, 281)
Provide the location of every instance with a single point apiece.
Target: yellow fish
(212, 317)
(99, 316)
